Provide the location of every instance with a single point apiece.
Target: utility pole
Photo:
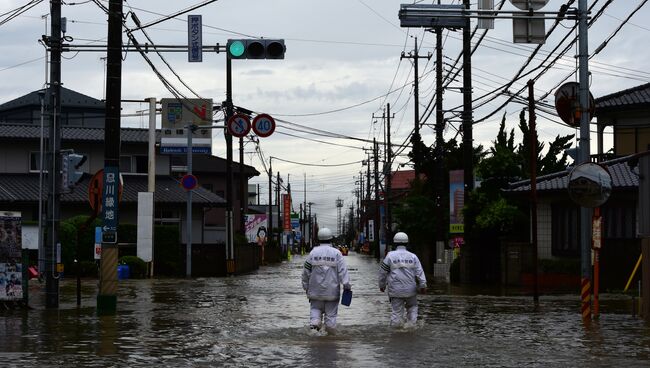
(533, 183)
(368, 199)
(269, 231)
(585, 213)
(416, 114)
(389, 184)
(243, 190)
(304, 208)
(439, 180)
(107, 297)
(52, 247)
(277, 201)
(468, 151)
(377, 217)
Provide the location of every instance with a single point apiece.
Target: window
(141, 164)
(134, 164)
(565, 230)
(208, 187)
(125, 164)
(619, 222)
(35, 161)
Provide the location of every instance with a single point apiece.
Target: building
(23, 133)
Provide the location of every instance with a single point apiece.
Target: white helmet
(324, 234)
(401, 238)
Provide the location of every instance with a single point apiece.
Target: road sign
(189, 182)
(96, 190)
(109, 236)
(110, 199)
(529, 4)
(239, 125)
(567, 103)
(194, 39)
(263, 125)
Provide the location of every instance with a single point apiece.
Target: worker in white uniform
(323, 273)
(401, 272)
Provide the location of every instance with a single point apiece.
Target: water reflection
(261, 320)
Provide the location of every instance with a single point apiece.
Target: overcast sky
(342, 66)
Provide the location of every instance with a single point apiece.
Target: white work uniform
(402, 274)
(323, 273)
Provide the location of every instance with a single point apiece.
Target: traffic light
(256, 49)
(71, 175)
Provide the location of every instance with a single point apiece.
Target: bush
(137, 267)
(88, 269)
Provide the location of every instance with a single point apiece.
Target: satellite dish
(590, 185)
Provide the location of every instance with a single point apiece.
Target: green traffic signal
(236, 48)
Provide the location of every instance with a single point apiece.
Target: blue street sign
(110, 195)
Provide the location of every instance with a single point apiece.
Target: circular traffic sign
(96, 190)
(239, 125)
(529, 4)
(263, 125)
(189, 182)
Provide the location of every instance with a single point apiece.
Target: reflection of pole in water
(107, 335)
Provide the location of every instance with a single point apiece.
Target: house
(558, 218)
(82, 130)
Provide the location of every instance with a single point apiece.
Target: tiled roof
(636, 96)
(78, 134)
(69, 98)
(24, 188)
(623, 177)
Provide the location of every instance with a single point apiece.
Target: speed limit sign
(263, 125)
(239, 125)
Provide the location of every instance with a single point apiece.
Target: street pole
(304, 208)
(243, 198)
(468, 151)
(439, 181)
(151, 172)
(416, 93)
(368, 200)
(188, 225)
(377, 218)
(107, 297)
(54, 146)
(585, 213)
(269, 231)
(230, 259)
(533, 184)
(277, 201)
(389, 184)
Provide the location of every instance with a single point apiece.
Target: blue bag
(346, 299)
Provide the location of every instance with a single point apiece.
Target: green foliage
(240, 239)
(88, 269)
(68, 239)
(137, 267)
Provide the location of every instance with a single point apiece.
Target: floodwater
(260, 320)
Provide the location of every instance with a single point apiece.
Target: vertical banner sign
(456, 201)
(194, 39)
(110, 204)
(371, 230)
(286, 215)
(11, 267)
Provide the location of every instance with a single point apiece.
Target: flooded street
(261, 320)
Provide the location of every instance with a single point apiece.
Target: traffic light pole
(230, 254)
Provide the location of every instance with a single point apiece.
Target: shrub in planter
(137, 267)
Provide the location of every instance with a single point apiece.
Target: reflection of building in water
(459, 202)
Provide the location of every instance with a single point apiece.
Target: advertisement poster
(256, 228)
(286, 213)
(456, 201)
(11, 271)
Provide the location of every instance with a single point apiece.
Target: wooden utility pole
(416, 96)
(377, 214)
